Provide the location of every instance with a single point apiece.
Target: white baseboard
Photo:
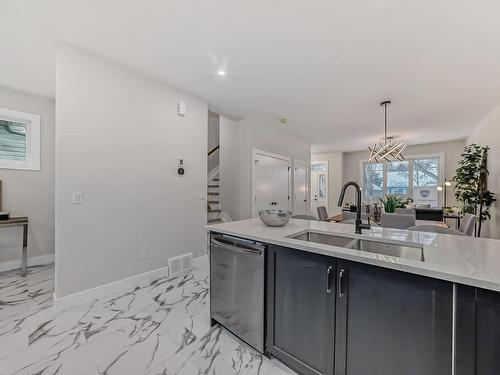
(200, 261)
(32, 261)
(63, 303)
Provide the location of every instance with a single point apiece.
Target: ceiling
(324, 65)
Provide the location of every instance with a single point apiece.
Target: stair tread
(214, 202)
(215, 179)
(214, 220)
(213, 186)
(212, 193)
(214, 210)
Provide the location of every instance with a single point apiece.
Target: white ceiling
(324, 64)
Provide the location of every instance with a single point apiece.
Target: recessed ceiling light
(222, 73)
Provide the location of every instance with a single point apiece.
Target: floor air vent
(179, 265)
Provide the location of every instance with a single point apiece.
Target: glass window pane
(398, 178)
(318, 167)
(426, 172)
(373, 181)
(322, 185)
(12, 140)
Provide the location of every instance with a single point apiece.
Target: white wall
(213, 130)
(30, 193)
(238, 139)
(487, 133)
(118, 141)
(335, 179)
(213, 140)
(451, 150)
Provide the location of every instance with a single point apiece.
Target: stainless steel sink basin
(326, 239)
(377, 247)
(384, 248)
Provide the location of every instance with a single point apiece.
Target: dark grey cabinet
(301, 309)
(477, 332)
(391, 323)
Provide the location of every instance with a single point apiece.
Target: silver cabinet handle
(248, 250)
(340, 285)
(329, 271)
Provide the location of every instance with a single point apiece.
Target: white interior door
(319, 186)
(300, 188)
(281, 184)
(263, 183)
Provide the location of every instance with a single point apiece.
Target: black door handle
(329, 272)
(340, 281)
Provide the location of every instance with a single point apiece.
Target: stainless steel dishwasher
(237, 293)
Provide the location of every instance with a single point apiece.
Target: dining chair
(397, 221)
(322, 213)
(304, 217)
(467, 225)
(406, 211)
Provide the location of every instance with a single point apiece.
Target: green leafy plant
(471, 183)
(391, 202)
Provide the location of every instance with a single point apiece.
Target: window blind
(12, 140)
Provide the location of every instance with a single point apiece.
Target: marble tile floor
(162, 328)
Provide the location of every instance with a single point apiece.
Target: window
(397, 178)
(416, 177)
(322, 185)
(19, 140)
(318, 166)
(373, 181)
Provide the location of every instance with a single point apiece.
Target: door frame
(256, 152)
(308, 183)
(325, 162)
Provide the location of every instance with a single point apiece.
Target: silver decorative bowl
(275, 218)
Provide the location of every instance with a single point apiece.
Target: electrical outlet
(77, 197)
(144, 254)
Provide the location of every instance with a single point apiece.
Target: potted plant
(391, 202)
(471, 183)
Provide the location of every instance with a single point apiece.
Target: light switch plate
(181, 109)
(77, 197)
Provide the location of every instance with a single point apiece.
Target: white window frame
(439, 155)
(32, 123)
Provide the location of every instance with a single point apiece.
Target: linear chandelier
(391, 149)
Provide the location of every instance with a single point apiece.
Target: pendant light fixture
(391, 149)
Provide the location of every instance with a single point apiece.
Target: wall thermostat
(180, 167)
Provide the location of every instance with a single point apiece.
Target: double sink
(378, 247)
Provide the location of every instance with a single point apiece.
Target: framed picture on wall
(19, 140)
(426, 195)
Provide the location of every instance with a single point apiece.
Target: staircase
(214, 213)
(214, 209)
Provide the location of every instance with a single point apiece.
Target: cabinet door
(392, 323)
(301, 309)
(477, 332)
(281, 184)
(264, 183)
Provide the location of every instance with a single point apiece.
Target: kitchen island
(332, 308)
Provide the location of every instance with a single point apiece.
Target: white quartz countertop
(460, 259)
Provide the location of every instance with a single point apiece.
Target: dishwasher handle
(241, 248)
